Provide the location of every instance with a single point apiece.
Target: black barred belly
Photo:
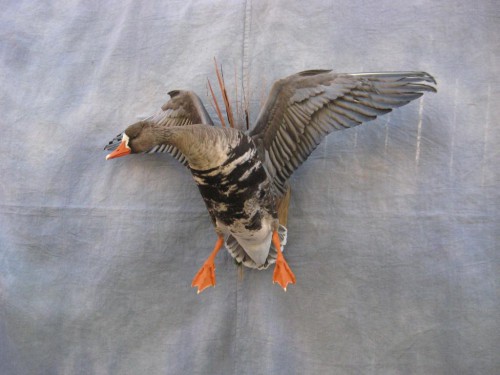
(225, 189)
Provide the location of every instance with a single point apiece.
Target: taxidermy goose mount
(243, 176)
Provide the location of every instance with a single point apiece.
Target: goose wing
(183, 108)
(303, 108)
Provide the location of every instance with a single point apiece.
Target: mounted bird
(242, 176)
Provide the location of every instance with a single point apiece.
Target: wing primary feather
(286, 136)
(314, 132)
(336, 114)
(311, 142)
(273, 159)
(369, 106)
(322, 123)
(290, 124)
(283, 145)
(154, 149)
(278, 151)
(355, 113)
(388, 101)
(303, 108)
(299, 115)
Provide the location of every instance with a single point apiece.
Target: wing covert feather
(305, 107)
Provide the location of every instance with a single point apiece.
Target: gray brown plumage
(183, 108)
(241, 177)
(305, 107)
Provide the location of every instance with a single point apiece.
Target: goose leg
(206, 275)
(282, 275)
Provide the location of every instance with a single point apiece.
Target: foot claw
(204, 278)
(283, 275)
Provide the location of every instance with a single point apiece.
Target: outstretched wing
(303, 108)
(183, 108)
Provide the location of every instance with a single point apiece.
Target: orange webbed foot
(205, 277)
(283, 275)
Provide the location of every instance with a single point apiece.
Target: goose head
(137, 138)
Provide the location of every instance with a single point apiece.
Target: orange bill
(122, 150)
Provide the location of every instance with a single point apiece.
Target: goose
(242, 175)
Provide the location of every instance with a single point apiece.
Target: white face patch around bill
(126, 139)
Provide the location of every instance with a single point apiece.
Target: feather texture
(242, 177)
(183, 108)
(303, 108)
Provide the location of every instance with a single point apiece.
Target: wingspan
(303, 108)
(183, 108)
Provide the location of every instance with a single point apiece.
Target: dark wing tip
(418, 80)
(430, 78)
(313, 72)
(174, 93)
(425, 77)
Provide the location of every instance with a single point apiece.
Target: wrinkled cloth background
(393, 226)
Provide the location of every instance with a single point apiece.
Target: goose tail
(241, 257)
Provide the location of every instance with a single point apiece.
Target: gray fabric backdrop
(393, 228)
